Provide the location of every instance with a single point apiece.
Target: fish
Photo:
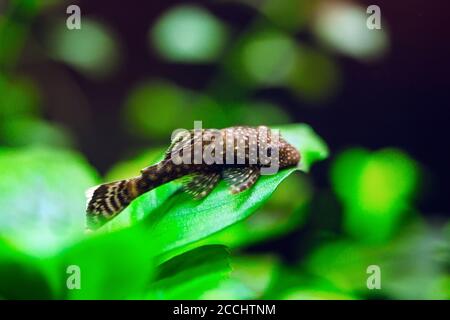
(200, 158)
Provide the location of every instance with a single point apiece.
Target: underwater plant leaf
(22, 276)
(286, 210)
(250, 277)
(117, 265)
(42, 198)
(180, 220)
(189, 275)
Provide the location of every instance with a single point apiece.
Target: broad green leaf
(191, 274)
(42, 198)
(181, 220)
(116, 265)
(285, 210)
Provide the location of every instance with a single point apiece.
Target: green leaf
(42, 198)
(285, 211)
(190, 275)
(116, 265)
(181, 220)
(21, 276)
(250, 278)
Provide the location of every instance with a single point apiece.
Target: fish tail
(106, 201)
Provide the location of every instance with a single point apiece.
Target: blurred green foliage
(149, 110)
(166, 246)
(18, 97)
(42, 197)
(376, 189)
(404, 276)
(191, 274)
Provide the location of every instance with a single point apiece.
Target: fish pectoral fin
(241, 179)
(201, 184)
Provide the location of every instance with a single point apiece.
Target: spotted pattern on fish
(233, 157)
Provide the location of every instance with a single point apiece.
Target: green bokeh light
(268, 57)
(189, 34)
(376, 190)
(343, 27)
(18, 97)
(26, 131)
(289, 14)
(315, 77)
(153, 108)
(263, 58)
(92, 49)
(156, 108)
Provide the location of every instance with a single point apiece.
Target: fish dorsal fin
(240, 179)
(201, 184)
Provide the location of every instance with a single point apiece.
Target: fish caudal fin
(106, 201)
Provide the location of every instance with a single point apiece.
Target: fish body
(203, 157)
